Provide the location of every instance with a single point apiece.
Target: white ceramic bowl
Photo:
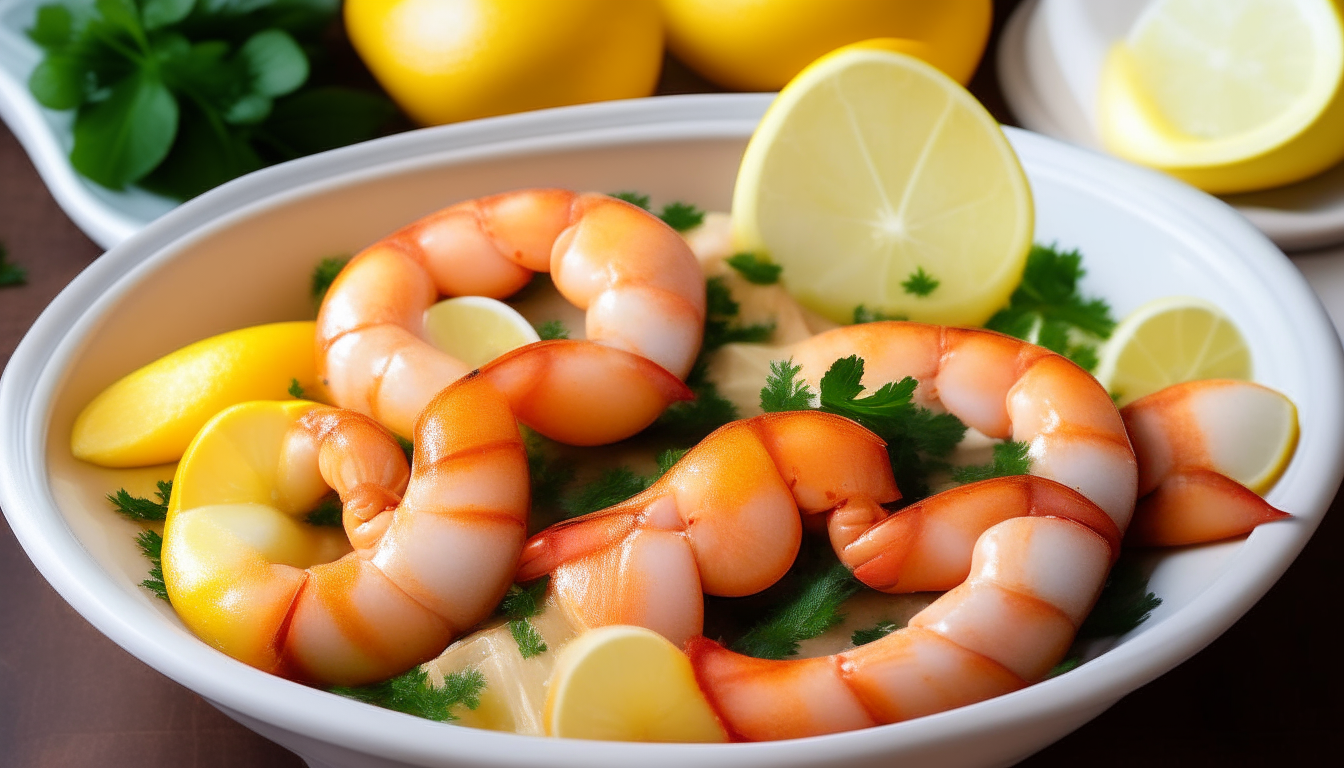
(242, 254)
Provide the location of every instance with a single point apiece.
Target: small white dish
(105, 215)
(1049, 63)
(242, 254)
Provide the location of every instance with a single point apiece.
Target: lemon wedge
(620, 683)
(1228, 96)
(876, 180)
(149, 416)
(1169, 341)
(476, 329)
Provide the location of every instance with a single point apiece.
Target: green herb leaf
(863, 314)
(668, 459)
(119, 140)
(275, 63)
(633, 198)
(549, 476)
(407, 447)
(318, 119)
(680, 216)
(1124, 604)
(324, 274)
(1010, 458)
(692, 420)
(157, 14)
(720, 320)
(920, 283)
(327, 513)
(611, 487)
(411, 693)
(529, 640)
(205, 155)
(783, 390)
(10, 274)
(812, 611)
(123, 15)
(524, 602)
(52, 27)
(59, 81)
(150, 544)
(1069, 664)
(295, 389)
(141, 509)
(552, 329)
(754, 268)
(881, 630)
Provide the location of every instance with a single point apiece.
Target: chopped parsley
(552, 329)
(611, 487)
(920, 283)
(529, 640)
(1124, 604)
(633, 198)
(324, 274)
(295, 389)
(328, 512)
(721, 326)
(682, 216)
(810, 611)
(10, 273)
(755, 269)
(141, 509)
(151, 546)
(412, 693)
(407, 447)
(863, 314)
(881, 630)
(783, 390)
(520, 604)
(1047, 308)
(1010, 458)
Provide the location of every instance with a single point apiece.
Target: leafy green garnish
(691, 420)
(863, 314)
(295, 389)
(881, 630)
(324, 274)
(811, 611)
(142, 509)
(920, 283)
(633, 198)
(754, 268)
(327, 513)
(181, 95)
(10, 274)
(682, 216)
(151, 546)
(411, 693)
(523, 602)
(552, 329)
(721, 326)
(783, 390)
(1010, 458)
(407, 447)
(1047, 309)
(550, 476)
(529, 640)
(1123, 605)
(611, 487)
(668, 459)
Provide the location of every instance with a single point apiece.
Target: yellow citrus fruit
(151, 415)
(1169, 341)
(876, 180)
(623, 683)
(476, 329)
(234, 534)
(449, 60)
(759, 45)
(1228, 96)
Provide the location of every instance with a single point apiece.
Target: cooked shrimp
(1000, 385)
(1032, 582)
(425, 566)
(1200, 445)
(637, 279)
(724, 521)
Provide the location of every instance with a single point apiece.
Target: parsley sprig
(1048, 309)
(324, 274)
(677, 215)
(1010, 458)
(552, 329)
(1124, 604)
(10, 273)
(920, 283)
(812, 610)
(150, 544)
(520, 605)
(412, 693)
(141, 509)
(181, 95)
(754, 268)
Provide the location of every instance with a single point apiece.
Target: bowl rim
(29, 382)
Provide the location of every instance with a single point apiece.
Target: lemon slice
(1169, 341)
(1228, 95)
(622, 683)
(872, 168)
(476, 330)
(151, 415)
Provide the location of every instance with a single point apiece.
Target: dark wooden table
(1268, 692)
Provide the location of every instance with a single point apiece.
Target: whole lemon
(449, 60)
(759, 45)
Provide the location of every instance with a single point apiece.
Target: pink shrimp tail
(573, 539)
(1194, 506)
(582, 393)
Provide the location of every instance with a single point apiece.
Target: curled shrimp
(637, 279)
(430, 552)
(1202, 462)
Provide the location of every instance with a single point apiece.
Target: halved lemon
(1169, 341)
(1228, 95)
(875, 179)
(476, 329)
(622, 683)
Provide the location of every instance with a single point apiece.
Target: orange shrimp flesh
(637, 279)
